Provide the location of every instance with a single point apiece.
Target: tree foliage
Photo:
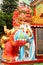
(8, 6)
(2, 22)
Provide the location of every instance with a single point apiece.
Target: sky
(0, 1)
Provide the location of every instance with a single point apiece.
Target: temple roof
(37, 21)
(35, 2)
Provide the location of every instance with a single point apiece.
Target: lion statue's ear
(5, 29)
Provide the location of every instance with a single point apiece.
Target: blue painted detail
(21, 53)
